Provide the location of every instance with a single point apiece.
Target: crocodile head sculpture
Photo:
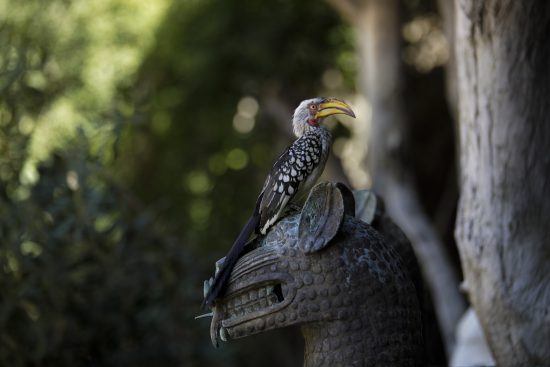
(336, 277)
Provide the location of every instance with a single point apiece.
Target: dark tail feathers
(220, 280)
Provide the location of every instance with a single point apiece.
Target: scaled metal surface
(336, 277)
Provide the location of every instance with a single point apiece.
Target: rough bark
(503, 229)
(378, 40)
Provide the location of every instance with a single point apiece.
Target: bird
(289, 181)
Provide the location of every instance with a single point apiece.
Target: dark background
(134, 138)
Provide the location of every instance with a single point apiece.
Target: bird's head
(311, 112)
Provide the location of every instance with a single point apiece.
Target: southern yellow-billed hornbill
(291, 177)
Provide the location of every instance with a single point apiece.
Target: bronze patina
(336, 276)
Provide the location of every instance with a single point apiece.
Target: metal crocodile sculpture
(349, 286)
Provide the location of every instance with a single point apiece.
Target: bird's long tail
(220, 279)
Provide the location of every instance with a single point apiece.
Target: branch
(405, 208)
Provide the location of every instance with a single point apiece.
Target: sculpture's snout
(260, 286)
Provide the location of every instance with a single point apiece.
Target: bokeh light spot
(428, 47)
(198, 182)
(26, 125)
(31, 310)
(105, 222)
(237, 159)
(29, 174)
(72, 180)
(31, 248)
(217, 165)
(248, 107)
(11, 265)
(199, 211)
(243, 124)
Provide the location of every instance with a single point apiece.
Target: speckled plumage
(293, 174)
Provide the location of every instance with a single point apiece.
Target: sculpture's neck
(358, 342)
(337, 343)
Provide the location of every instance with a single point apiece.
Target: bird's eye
(312, 107)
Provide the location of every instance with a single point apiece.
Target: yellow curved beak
(334, 106)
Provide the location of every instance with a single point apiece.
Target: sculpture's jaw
(251, 303)
(287, 279)
(257, 290)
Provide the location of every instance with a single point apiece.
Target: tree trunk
(503, 228)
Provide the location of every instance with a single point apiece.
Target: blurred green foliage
(87, 279)
(133, 140)
(208, 56)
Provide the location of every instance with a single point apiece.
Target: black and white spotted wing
(287, 176)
